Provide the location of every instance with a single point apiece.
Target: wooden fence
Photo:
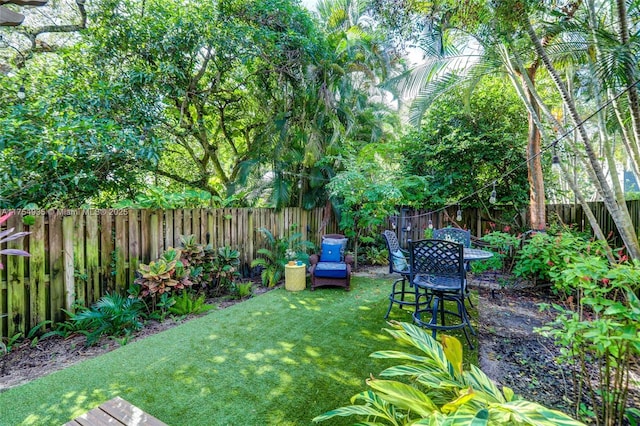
(411, 224)
(78, 255)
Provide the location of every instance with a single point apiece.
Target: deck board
(116, 412)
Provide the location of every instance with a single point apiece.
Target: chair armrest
(348, 259)
(313, 259)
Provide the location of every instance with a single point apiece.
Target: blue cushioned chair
(332, 266)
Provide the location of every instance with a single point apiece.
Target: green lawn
(280, 358)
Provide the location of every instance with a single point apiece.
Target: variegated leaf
(351, 410)
(414, 371)
(453, 351)
(427, 344)
(483, 385)
(508, 393)
(466, 396)
(403, 396)
(399, 355)
(536, 414)
(468, 416)
(14, 252)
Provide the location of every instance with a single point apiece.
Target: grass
(281, 358)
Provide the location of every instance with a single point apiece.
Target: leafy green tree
(343, 105)
(369, 190)
(58, 148)
(466, 144)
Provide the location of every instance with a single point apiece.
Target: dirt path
(512, 354)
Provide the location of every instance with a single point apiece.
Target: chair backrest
(396, 258)
(335, 239)
(457, 235)
(437, 258)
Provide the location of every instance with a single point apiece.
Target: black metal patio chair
(438, 274)
(398, 264)
(460, 236)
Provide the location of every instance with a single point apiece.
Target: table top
(476, 254)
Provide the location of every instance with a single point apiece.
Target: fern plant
(189, 303)
(439, 390)
(112, 315)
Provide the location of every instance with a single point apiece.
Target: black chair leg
(468, 318)
(462, 310)
(434, 315)
(391, 299)
(392, 296)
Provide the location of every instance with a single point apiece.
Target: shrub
(439, 390)
(275, 256)
(601, 338)
(242, 290)
(210, 270)
(112, 315)
(224, 271)
(189, 303)
(376, 256)
(162, 275)
(544, 256)
(503, 246)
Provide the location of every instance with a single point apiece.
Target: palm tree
(500, 50)
(456, 59)
(611, 193)
(337, 106)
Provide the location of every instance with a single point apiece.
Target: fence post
(17, 296)
(37, 285)
(67, 262)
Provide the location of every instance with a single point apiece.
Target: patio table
(471, 254)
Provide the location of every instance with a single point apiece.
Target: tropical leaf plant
(9, 235)
(162, 275)
(439, 390)
(112, 315)
(274, 257)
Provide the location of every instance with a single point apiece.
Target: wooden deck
(116, 412)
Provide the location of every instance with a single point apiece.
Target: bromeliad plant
(439, 390)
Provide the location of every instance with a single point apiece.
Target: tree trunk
(619, 215)
(537, 210)
(630, 74)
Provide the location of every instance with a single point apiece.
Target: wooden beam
(25, 2)
(9, 18)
